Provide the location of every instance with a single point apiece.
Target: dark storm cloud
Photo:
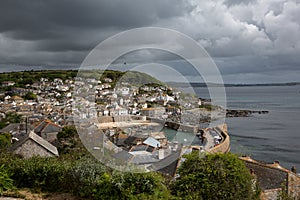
(253, 37)
(56, 32)
(35, 19)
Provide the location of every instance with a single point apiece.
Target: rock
(243, 113)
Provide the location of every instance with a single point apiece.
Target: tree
(67, 132)
(13, 118)
(5, 141)
(214, 176)
(10, 118)
(30, 96)
(69, 143)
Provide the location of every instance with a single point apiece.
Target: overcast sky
(251, 41)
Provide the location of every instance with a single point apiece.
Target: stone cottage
(273, 178)
(47, 130)
(33, 145)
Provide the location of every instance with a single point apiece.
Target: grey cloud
(67, 26)
(237, 2)
(254, 37)
(37, 19)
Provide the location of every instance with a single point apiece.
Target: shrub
(215, 176)
(84, 176)
(30, 96)
(141, 185)
(5, 181)
(47, 174)
(5, 141)
(69, 143)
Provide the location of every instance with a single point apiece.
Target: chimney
(26, 125)
(161, 154)
(294, 169)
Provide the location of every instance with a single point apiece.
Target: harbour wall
(182, 127)
(224, 146)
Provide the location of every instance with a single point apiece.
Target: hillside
(24, 78)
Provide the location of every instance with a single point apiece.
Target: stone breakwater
(244, 113)
(224, 146)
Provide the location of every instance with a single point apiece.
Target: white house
(8, 83)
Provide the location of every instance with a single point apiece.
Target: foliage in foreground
(218, 176)
(5, 181)
(210, 177)
(214, 176)
(85, 178)
(5, 141)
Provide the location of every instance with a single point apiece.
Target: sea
(265, 137)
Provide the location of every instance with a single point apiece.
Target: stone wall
(156, 120)
(118, 118)
(188, 128)
(50, 136)
(270, 194)
(30, 148)
(122, 118)
(294, 185)
(137, 117)
(105, 119)
(181, 127)
(172, 125)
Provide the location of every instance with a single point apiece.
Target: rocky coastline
(244, 113)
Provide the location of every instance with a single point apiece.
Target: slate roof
(47, 126)
(150, 149)
(123, 155)
(15, 127)
(170, 169)
(139, 148)
(169, 164)
(152, 142)
(270, 176)
(39, 140)
(142, 147)
(120, 141)
(131, 140)
(143, 159)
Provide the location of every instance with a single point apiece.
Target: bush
(47, 174)
(215, 176)
(30, 96)
(67, 132)
(10, 118)
(69, 143)
(5, 181)
(144, 186)
(5, 141)
(89, 178)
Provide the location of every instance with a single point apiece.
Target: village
(132, 118)
(150, 125)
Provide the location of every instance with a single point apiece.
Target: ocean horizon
(264, 137)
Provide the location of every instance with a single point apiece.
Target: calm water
(269, 137)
